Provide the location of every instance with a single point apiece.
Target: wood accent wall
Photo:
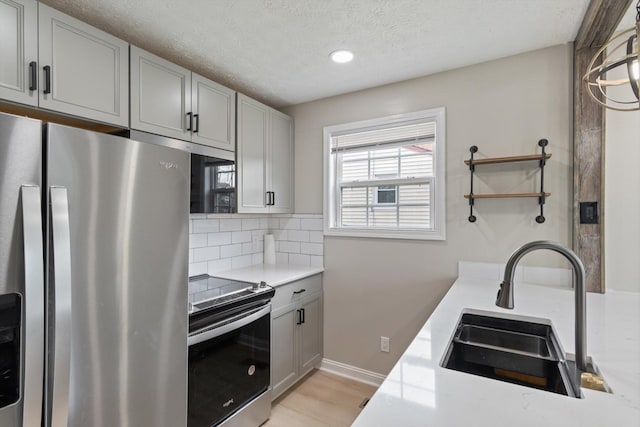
(600, 22)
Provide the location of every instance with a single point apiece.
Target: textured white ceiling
(277, 50)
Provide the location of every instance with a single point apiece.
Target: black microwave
(213, 174)
(213, 185)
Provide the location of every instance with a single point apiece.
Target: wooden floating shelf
(504, 196)
(511, 159)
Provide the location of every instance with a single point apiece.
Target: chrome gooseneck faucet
(505, 294)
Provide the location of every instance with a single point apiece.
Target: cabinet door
(88, 69)
(19, 48)
(214, 109)
(252, 151)
(284, 364)
(280, 166)
(160, 96)
(311, 333)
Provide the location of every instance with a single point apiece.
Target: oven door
(228, 366)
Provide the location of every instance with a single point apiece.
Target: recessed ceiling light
(341, 56)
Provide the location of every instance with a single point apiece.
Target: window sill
(385, 234)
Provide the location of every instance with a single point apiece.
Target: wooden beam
(600, 21)
(599, 24)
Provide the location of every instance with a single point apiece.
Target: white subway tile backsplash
(220, 242)
(282, 258)
(273, 223)
(290, 247)
(316, 237)
(218, 265)
(197, 268)
(280, 234)
(229, 251)
(251, 223)
(241, 261)
(312, 248)
(230, 224)
(311, 224)
(298, 235)
(206, 225)
(197, 241)
(290, 223)
(257, 258)
(206, 254)
(297, 259)
(240, 236)
(218, 239)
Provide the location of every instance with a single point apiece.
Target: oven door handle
(227, 325)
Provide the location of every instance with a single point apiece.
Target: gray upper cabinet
(214, 113)
(265, 158)
(84, 71)
(160, 95)
(19, 51)
(281, 162)
(170, 100)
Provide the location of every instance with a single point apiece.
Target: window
(385, 177)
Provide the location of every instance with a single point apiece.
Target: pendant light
(621, 51)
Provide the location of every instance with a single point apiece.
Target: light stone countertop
(274, 274)
(418, 392)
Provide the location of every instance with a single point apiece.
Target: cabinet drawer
(285, 294)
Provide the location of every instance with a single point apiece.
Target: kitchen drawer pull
(299, 292)
(190, 116)
(47, 79)
(33, 75)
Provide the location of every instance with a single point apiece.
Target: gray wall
(377, 287)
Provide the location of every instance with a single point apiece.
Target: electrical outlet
(384, 344)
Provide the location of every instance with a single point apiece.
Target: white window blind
(384, 175)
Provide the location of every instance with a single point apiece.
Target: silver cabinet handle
(62, 311)
(33, 305)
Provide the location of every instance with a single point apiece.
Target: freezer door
(127, 205)
(21, 272)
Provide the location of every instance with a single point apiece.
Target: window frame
(438, 196)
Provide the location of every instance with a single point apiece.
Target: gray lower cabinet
(53, 61)
(296, 330)
(169, 100)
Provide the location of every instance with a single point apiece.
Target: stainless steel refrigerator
(93, 273)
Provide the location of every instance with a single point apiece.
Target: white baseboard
(352, 372)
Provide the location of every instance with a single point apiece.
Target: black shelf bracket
(543, 161)
(472, 168)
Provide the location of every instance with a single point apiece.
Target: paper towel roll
(269, 253)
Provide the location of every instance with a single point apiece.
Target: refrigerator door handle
(33, 305)
(61, 247)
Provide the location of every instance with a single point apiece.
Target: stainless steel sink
(515, 349)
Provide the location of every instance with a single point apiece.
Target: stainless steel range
(229, 354)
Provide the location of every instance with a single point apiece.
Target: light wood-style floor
(320, 400)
